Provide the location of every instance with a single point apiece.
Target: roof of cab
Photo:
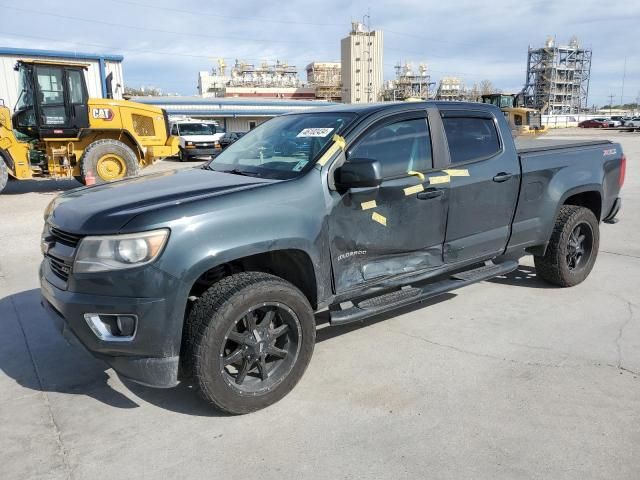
(370, 108)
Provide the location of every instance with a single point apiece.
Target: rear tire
(106, 161)
(4, 174)
(270, 351)
(573, 247)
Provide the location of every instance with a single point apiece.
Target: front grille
(143, 125)
(59, 267)
(70, 239)
(60, 250)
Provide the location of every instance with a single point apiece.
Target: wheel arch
(120, 135)
(588, 196)
(292, 264)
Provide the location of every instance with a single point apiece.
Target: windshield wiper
(237, 171)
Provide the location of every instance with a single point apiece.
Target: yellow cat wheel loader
(57, 131)
(522, 120)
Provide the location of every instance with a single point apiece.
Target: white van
(198, 138)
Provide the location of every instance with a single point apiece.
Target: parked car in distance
(229, 138)
(618, 118)
(592, 123)
(633, 122)
(611, 122)
(199, 139)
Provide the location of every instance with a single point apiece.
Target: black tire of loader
(99, 148)
(4, 174)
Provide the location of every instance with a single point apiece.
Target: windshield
(282, 147)
(198, 129)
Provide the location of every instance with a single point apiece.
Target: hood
(105, 209)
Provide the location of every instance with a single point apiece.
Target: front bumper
(145, 359)
(200, 152)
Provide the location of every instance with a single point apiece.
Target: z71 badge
(610, 151)
(102, 113)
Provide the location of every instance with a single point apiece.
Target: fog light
(112, 327)
(126, 325)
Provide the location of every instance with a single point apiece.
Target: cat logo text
(102, 113)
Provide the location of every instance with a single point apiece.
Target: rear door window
(76, 90)
(471, 138)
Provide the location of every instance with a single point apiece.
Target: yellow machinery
(57, 131)
(523, 121)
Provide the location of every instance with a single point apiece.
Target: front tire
(573, 247)
(106, 161)
(249, 339)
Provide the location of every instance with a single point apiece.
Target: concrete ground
(506, 379)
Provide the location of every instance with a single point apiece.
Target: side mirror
(358, 173)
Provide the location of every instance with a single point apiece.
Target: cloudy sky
(165, 43)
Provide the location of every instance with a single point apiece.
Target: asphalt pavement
(505, 379)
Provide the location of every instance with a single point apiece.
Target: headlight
(188, 144)
(117, 252)
(49, 209)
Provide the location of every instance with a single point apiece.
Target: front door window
(51, 92)
(24, 107)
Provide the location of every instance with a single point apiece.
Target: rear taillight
(623, 170)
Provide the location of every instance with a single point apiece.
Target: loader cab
(522, 120)
(500, 100)
(53, 100)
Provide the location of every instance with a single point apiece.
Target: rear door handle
(502, 177)
(427, 194)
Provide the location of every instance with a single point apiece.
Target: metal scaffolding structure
(279, 74)
(325, 77)
(558, 78)
(409, 84)
(451, 89)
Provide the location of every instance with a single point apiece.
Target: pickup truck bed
(527, 145)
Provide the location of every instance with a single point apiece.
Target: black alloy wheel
(579, 246)
(260, 348)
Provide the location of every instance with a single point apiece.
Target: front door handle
(427, 194)
(502, 177)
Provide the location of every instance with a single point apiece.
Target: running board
(409, 295)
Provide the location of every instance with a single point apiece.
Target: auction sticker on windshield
(300, 165)
(315, 132)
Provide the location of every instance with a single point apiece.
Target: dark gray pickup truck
(214, 273)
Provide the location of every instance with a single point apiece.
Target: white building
(362, 67)
(211, 84)
(233, 114)
(103, 75)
